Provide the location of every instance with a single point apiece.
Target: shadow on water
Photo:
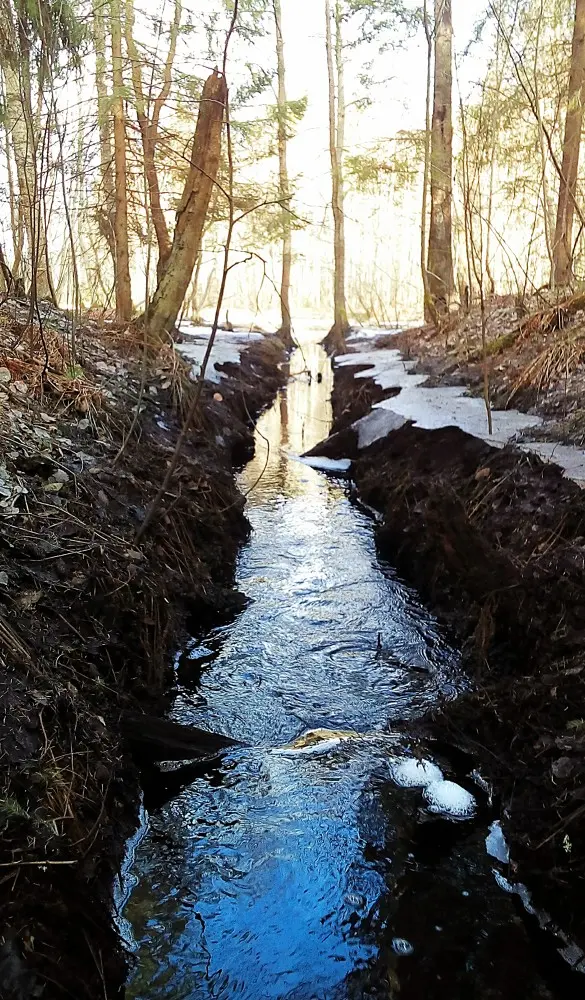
(272, 874)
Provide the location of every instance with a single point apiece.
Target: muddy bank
(495, 541)
(90, 615)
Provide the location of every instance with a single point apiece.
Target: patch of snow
(571, 459)
(376, 425)
(409, 772)
(449, 799)
(447, 406)
(227, 348)
(324, 464)
(495, 843)
(385, 367)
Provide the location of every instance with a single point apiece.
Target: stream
(315, 872)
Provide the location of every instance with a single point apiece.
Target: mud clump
(90, 616)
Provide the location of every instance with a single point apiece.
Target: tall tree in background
(168, 298)
(283, 182)
(563, 241)
(107, 198)
(149, 124)
(335, 72)
(123, 287)
(21, 26)
(440, 257)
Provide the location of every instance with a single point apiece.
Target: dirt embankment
(90, 616)
(495, 541)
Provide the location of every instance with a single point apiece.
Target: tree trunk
(283, 184)
(563, 242)
(174, 282)
(430, 312)
(123, 287)
(149, 126)
(335, 72)
(440, 258)
(20, 125)
(106, 212)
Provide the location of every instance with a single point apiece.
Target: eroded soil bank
(90, 615)
(495, 541)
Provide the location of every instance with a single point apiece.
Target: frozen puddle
(445, 406)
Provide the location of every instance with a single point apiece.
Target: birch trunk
(440, 257)
(335, 72)
(123, 287)
(283, 182)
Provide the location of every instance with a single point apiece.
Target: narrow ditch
(319, 859)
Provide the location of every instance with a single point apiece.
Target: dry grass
(553, 364)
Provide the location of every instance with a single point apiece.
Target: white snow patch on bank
(449, 799)
(227, 348)
(324, 464)
(385, 367)
(447, 406)
(412, 773)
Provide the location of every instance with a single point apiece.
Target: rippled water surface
(311, 875)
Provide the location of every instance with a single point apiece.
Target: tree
(21, 25)
(163, 311)
(107, 198)
(149, 125)
(562, 271)
(335, 73)
(283, 182)
(440, 256)
(123, 287)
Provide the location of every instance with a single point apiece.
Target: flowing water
(310, 873)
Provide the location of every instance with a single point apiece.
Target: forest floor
(494, 539)
(91, 615)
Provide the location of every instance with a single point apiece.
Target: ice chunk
(402, 947)
(449, 799)
(495, 843)
(409, 772)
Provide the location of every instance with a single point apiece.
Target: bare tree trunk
(16, 216)
(20, 125)
(149, 126)
(440, 258)
(172, 287)
(107, 202)
(123, 287)
(563, 242)
(283, 184)
(335, 72)
(430, 311)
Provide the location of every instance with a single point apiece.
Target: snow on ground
(446, 406)
(227, 348)
(323, 464)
